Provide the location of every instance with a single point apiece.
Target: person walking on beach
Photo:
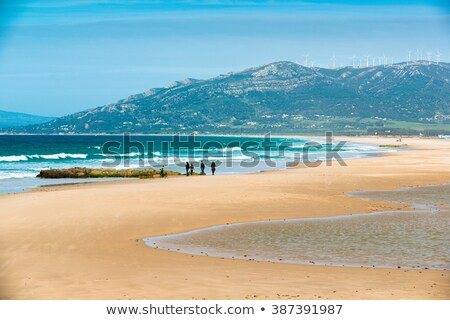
(213, 167)
(162, 172)
(187, 166)
(202, 167)
(192, 168)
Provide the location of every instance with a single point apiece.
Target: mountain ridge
(280, 97)
(13, 119)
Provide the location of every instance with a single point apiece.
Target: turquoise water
(416, 239)
(22, 157)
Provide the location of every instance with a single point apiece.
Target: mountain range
(14, 119)
(280, 97)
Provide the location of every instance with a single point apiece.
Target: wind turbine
(373, 61)
(438, 57)
(429, 56)
(409, 58)
(419, 55)
(306, 59)
(353, 61)
(367, 60)
(384, 60)
(334, 61)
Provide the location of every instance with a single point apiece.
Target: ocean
(23, 156)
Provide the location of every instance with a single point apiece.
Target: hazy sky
(59, 57)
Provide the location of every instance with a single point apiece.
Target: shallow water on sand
(409, 239)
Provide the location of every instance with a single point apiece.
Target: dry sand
(85, 241)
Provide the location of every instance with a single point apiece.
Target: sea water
(23, 156)
(415, 239)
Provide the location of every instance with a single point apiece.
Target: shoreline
(93, 234)
(152, 242)
(256, 135)
(379, 153)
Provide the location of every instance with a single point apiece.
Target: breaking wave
(16, 175)
(42, 156)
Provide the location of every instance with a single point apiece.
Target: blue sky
(59, 57)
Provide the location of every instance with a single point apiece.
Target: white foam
(131, 154)
(59, 156)
(42, 156)
(230, 149)
(13, 158)
(16, 175)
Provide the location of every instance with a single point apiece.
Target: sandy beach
(86, 241)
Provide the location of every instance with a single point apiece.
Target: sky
(60, 57)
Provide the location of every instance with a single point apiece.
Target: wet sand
(413, 239)
(86, 241)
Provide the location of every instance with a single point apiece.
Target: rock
(83, 173)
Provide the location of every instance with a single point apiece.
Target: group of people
(190, 168)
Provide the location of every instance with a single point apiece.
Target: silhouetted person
(202, 167)
(187, 166)
(192, 168)
(213, 167)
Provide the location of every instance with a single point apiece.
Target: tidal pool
(406, 239)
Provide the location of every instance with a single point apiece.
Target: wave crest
(13, 158)
(56, 156)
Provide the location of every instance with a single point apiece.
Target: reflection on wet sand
(406, 239)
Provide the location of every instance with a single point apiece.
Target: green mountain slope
(280, 97)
